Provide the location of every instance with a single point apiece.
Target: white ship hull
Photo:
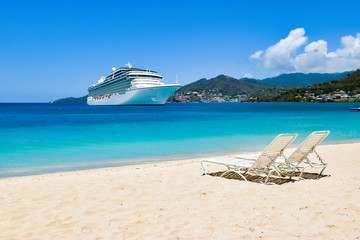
(156, 95)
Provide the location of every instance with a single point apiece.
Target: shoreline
(83, 166)
(173, 200)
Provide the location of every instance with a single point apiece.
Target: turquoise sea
(52, 137)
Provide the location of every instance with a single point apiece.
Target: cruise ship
(130, 86)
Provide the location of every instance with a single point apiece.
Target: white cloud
(280, 55)
(256, 55)
(315, 58)
(248, 75)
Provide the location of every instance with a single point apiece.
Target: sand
(172, 200)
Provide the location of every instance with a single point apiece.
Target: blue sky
(54, 49)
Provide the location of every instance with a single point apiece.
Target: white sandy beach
(173, 200)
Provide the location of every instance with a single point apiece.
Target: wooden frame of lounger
(300, 155)
(265, 162)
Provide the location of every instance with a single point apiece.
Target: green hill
(226, 85)
(304, 80)
(72, 100)
(349, 84)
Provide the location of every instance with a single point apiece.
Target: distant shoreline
(84, 103)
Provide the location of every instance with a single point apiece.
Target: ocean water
(53, 137)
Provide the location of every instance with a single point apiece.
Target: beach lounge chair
(264, 163)
(299, 159)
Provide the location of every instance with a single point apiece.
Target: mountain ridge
(305, 79)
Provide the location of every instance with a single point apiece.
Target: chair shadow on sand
(272, 179)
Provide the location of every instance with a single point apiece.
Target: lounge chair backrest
(307, 146)
(274, 150)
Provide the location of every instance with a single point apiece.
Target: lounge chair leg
(291, 175)
(267, 177)
(242, 176)
(322, 171)
(202, 165)
(300, 177)
(302, 172)
(223, 174)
